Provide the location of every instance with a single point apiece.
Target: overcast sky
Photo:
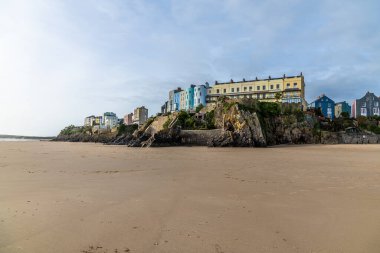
(63, 60)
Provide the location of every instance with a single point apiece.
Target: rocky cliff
(246, 126)
(246, 123)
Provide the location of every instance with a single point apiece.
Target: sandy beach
(75, 197)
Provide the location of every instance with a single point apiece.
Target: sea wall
(199, 137)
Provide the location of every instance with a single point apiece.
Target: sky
(63, 60)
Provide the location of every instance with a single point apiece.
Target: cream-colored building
(182, 100)
(286, 89)
(93, 120)
(140, 115)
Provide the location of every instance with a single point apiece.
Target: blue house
(326, 104)
(176, 101)
(190, 98)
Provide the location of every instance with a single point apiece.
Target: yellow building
(289, 89)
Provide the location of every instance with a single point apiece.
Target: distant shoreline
(4, 137)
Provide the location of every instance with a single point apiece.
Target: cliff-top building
(174, 100)
(342, 107)
(187, 99)
(367, 106)
(88, 121)
(140, 115)
(287, 89)
(128, 119)
(93, 120)
(110, 120)
(326, 104)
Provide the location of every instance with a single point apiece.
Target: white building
(110, 120)
(89, 121)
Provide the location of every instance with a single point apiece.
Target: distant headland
(22, 137)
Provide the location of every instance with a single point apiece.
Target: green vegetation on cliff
(71, 130)
(126, 130)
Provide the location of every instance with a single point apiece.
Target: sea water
(16, 139)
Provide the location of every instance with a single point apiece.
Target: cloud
(63, 60)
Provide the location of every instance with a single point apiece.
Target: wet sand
(72, 197)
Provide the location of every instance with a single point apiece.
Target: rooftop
(257, 79)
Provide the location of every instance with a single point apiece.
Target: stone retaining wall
(199, 137)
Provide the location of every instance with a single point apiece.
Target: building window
(237, 89)
(288, 85)
(377, 104)
(363, 111)
(364, 104)
(264, 95)
(250, 88)
(217, 91)
(329, 112)
(376, 111)
(224, 90)
(258, 87)
(264, 87)
(294, 85)
(232, 89)
(271, 87)
(278, 86)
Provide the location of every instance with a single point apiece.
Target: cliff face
(239, 128)
(249, 129)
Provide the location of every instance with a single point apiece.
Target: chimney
(243, 79)
(232, 81)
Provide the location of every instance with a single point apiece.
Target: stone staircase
(148, 143)
(174, 121)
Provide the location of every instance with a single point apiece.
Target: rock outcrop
(248, 129)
